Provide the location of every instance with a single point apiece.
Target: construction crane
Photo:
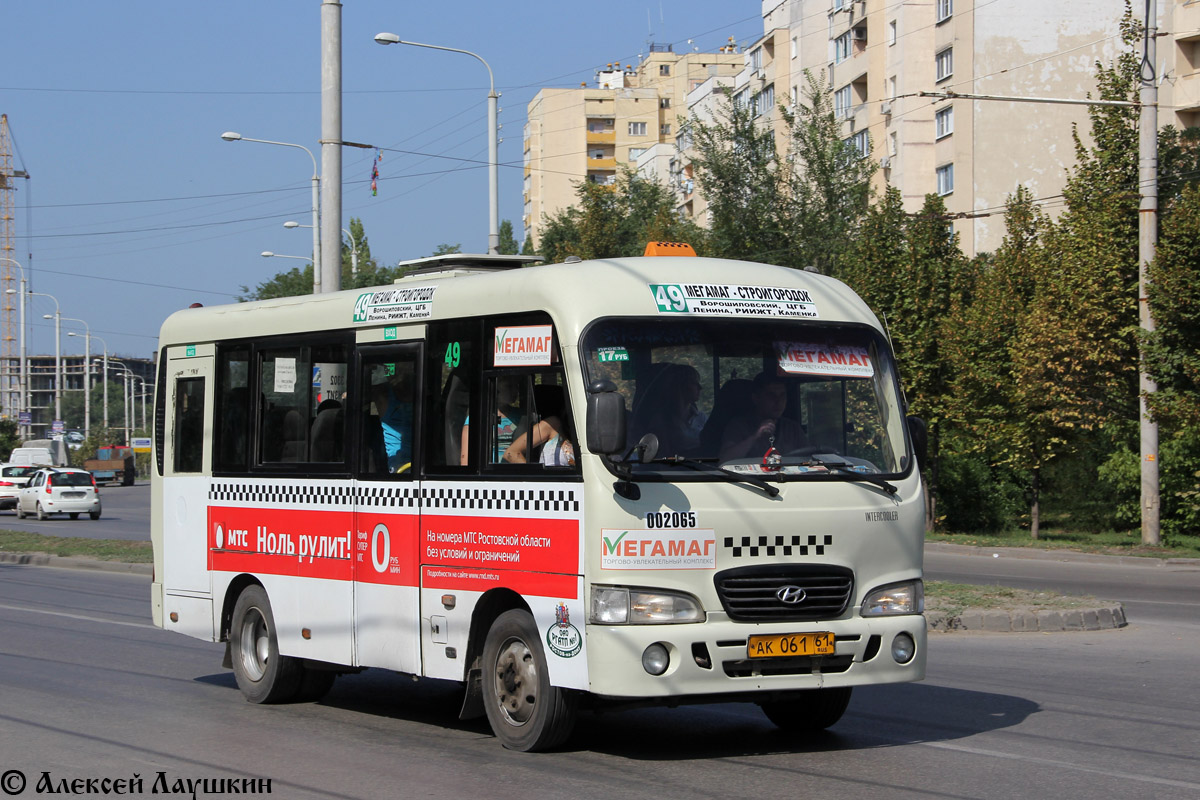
(8, 322)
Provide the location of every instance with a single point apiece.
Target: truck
(112, 464)
(40, 453)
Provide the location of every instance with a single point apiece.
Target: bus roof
(573, 294)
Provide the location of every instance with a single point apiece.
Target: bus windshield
(779, 398)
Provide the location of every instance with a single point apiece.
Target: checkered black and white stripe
(500, 499)
(754, 546)
(453, 499)
(282, 494)
(387, 497)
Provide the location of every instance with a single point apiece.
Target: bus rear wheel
(526, 713)
(263, 675)
(810, 711)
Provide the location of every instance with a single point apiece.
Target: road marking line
(76, 616)
(1050, 762)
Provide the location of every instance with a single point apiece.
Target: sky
(135, 207)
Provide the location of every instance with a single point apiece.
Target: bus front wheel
(262, 674)
(526, 713)
(811, 711)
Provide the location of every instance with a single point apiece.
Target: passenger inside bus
(763, 425)
(393, 401)
(509, 416)
(548, 439)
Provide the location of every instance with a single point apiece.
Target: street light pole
(104, 380)
(87, 375)
(232, 136)
(493, 133)
(57, 354)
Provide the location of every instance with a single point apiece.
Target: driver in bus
(763, 426)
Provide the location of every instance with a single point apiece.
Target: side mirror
(605, 418)
(918, 431)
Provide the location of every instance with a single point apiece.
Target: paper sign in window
(806, 358)
(523, 346)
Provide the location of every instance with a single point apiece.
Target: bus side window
(189, 425)
(233, 411)
(449, 400)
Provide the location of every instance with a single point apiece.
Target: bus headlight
(896, 598)
(620, 605)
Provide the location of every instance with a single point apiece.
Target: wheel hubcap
(255, 645)
(516, 682)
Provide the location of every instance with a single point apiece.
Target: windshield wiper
(735, 477)
(846, 469)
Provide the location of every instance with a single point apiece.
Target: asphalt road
(91, 690)
(125, 514)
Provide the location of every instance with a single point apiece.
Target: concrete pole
(87, 384)
(1147, 243)
(493, 172)
(331, 145)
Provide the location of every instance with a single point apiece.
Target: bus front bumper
(712, 659)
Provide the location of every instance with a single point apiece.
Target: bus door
(387, 509)
(186, 465)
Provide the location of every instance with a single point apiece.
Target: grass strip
(133, 552)
(955, 598)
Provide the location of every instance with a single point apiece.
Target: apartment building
(586, 133)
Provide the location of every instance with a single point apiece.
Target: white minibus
(655, 480)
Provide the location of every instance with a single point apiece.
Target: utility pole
(1147, 244)
(331, 146)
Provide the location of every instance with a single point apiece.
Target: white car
(59, 490)
(12, 478)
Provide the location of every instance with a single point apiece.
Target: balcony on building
(601, 130)
(1186, 91)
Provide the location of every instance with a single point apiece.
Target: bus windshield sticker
(523, 346)
(606, 354)
(805, 358)
(285, 375)
(395, 305)
(733, 300)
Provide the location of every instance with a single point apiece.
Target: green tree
(9, 438)
(747, 189)
(508, 242)
(830, 187)
(996, 410)
(615, 221)
(447, 249)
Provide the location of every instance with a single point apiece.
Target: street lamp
(23, 383)
(353, 244)
(57, 354)
(231, 136)
(493, 143)
(87, 374)
(103, 379)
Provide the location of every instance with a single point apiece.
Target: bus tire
(263, 675)
(811, 711)
(526, 713)
(314, 684)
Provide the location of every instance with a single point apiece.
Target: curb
(1028, 620)
(72, 562)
